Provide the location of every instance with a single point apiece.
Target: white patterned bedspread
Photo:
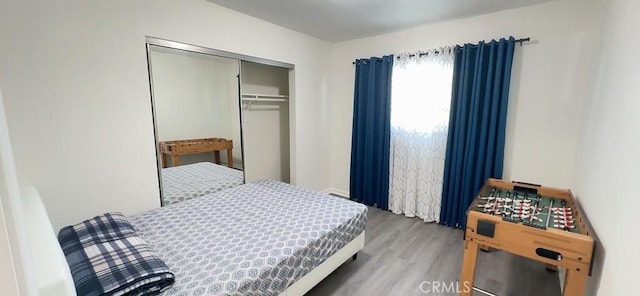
(254, 239)
(198, 179)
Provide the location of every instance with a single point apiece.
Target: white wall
(264, 79)
(75, 82)
(195, 97)
(548, 80)
(607, 161)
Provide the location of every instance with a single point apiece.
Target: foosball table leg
(469, 260)
(230, 158)
(165, 160)
(574, 283)
(216, 156)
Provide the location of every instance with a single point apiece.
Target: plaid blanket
(106, 257)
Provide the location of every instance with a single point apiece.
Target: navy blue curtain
(475, 144)
(371, 132)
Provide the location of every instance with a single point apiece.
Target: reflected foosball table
(192, 146)
(537, 222)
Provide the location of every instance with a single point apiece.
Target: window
(421, 94)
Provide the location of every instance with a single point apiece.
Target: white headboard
(51, 272)
(35, 257)
(20, 279)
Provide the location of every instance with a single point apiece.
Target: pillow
(107, 257)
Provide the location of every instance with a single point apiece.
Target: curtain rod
(521, 40)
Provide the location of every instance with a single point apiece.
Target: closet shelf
(264, 97)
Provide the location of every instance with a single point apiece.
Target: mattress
(254, 239)
(193, 180)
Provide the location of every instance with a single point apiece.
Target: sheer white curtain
(420, 100)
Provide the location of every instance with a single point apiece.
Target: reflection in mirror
(197, 118)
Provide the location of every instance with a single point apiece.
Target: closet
(265, 121)
(220, 118)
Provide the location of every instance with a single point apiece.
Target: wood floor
(400, 253)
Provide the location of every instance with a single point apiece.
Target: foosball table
(193, 146)
(533, 221)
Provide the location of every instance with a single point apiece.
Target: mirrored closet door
(197, 118)
(220, 118)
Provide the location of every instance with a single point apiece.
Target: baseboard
(338, 192)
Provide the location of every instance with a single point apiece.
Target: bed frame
(311, 279)
(50, 270)
(193, 146)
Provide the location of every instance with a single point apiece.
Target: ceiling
(340, 20)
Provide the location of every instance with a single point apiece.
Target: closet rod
(256, 96)
(263, 100)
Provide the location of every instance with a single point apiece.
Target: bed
(261, 238)
(193, 180)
